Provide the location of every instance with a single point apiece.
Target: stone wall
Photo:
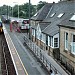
(66, 55)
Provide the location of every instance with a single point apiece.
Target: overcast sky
(13, 2)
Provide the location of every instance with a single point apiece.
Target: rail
(3, 47)
(38, 52)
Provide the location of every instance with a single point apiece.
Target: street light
(7, 12)
(29, 20)
(12, 11)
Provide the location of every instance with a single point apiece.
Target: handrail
(38, 52)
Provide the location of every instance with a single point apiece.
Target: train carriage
(1, 27)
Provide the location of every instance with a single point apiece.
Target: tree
(40, 4)
(24, 10)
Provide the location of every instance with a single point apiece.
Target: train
(1, 27)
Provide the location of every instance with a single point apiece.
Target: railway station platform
(25, 62)
(19, 68)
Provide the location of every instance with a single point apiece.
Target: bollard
(40, 54)
(37, 51)
(46, 63)
(43, 58)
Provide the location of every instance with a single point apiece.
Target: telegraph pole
(7, 12)
(29, 20)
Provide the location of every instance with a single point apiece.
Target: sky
(13, 2)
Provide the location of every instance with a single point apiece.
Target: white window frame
(52, 42)
(55, 42)
(43, 38)
(52, 14)
(73, 17)
(60, 15)
(73, 46)
(56, 36)
(66, 42)
(36, 14)
(34, 32)
(49, 41)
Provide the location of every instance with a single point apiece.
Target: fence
(40, 55)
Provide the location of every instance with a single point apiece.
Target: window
(73, 38)
(73, 18)
(43, 37)
(60, 15)
(52, 15)
(51, 41)
(73, 44)
(34, 32)
(55, 42)
(46, 40)
(66, 41)
(36, 14)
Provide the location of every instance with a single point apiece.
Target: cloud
(10, 2)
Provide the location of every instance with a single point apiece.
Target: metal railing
(40, 55)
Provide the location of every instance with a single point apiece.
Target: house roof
(42, 25)
(67, 22)
(42, 13)
(66, 7)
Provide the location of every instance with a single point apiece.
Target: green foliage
(23, 9)
(40, 4)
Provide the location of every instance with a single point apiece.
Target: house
(39, 17)
(50, 32)
(41, 14)
(67, 42)
(58, 36)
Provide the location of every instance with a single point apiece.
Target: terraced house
(56, 33)
(39, 17)
(67, 40)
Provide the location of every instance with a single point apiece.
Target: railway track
(7, 67)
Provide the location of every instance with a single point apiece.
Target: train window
(25, 22)
(0, 24)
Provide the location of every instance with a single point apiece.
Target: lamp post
(7, 12)
(29, 19)
(12, 11)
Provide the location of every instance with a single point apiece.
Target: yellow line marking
(20, 59)
(22, 63)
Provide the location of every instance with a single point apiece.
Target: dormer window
(52, 15)
(36, 14)
(73, 18)
(60, 15)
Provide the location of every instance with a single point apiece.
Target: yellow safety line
(22, 63)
